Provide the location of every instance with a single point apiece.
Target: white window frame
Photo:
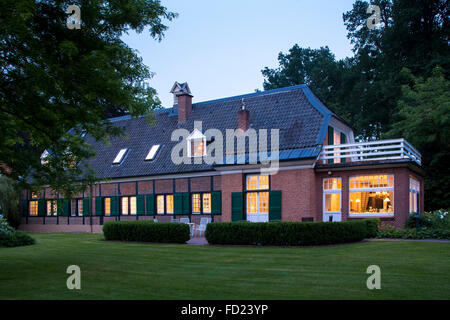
(331, 191)
(196, 135)
(152, 152)
(372, 214)
(120, 156)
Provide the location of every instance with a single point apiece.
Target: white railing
(395, 149)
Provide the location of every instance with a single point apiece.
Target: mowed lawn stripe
(121, 270)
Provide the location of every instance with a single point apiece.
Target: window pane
(133, 207)
(152, 153)
(207, 203)
(252, 182)
(107, 206)
(252, 202)
(33, 208)
(80, 207)
(370, 182)
(263, 182)
(263, 202)
(160, 204)
(119, 156)
(124, 201)
(73, 208)
(332, 184)
(196, 203)
(372, 202)
(169, 203)
(198, 147)
(333, 202)
(52, 208)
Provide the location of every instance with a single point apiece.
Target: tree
(9, 201)
(424, 120)
(57, 84)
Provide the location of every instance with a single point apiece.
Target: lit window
(169, 204)
(52, 208)
(152, 153)
(332, 195)
(160, 204)
(196, 205)
(372, 195)
(196, 144)
(80, 207)
(107, 206)
(257, 202)
(207, 203)
(124, 201)
(133, 207)
(119, 156)
(33, 208)
(414, 195)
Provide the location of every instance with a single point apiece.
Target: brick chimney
(243, 117)
(182, 100)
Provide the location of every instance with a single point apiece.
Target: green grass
(116, 270)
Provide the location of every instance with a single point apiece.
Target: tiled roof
(300, 116)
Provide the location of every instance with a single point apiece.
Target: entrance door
(258, 206)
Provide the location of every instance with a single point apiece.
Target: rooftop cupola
(182, 100)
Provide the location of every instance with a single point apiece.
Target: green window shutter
(98, 206)
(114, 206)
(140, 200)
(178, 203)
(86, 209)
(66, 207)
(216, 202)
(237, 206)
(60, 207)
(186, 203)
(343, 141)
(150, 204)
(330, 140)
(23, 207)
(41, 207)
(275, 205)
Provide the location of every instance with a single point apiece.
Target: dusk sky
(220, 47)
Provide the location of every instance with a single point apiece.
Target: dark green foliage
(15, 239)
(439, 219)
(56, 83)
(372, 227)
(424, 233)
(146, 231)
(9, 202)
(286, 233)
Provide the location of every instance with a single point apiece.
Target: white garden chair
(202, 226)
(155, 220)
(191, 225)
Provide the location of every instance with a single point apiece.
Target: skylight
(152, 153)
(119, 156)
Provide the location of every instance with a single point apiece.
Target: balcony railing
(395, 149)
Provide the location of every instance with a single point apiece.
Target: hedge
(289, 233)
(15, 239)
(146, 231)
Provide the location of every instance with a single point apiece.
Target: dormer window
(118, 159)
(152, 153)
(196, 144)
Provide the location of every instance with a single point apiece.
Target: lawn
(115, 270)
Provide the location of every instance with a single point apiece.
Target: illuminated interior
(372, 194)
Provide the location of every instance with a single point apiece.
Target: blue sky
(220, 47)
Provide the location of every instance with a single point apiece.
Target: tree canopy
(57, 84)
(366, 89)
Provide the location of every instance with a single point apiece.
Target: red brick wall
(181, 185)
(163, 186)
(200, 184)
(145, 187)
(128, 188)
(230, 183)
(297, 193)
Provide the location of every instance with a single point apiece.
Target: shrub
(15, 239)
(372, 227)
(9, 201)
(285, 233)
(438, 219)
(146, 231)
(410, 233)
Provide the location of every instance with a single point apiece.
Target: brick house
(321, 173)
